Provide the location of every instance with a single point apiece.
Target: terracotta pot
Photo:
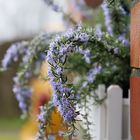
(93, 3)
(135, 36)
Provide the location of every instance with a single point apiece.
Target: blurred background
(22, 20)
(19, 20)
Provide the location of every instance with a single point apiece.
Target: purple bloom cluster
(66, 110)
(82, 37)
(122, 38)
(22, 93)
(93, 72)
(107, 18)
(42, 115)
(53, 5)
(116, 50)
(63, 97)
(12, 54)
(98, 31)
(69, 33)
(86, 55)
(41, 118)
(123, 12)
(107, 15)
(124, 41)
(44, 119)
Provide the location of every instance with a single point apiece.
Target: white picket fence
(112, 118)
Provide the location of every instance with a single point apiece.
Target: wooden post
(135, 64)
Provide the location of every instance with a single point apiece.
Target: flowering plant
(98, 57)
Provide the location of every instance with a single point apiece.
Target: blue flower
(54, 6)
(69, 115)
(55, 99)
(22, 93)
(50, 58)
(116, 50)
(83, 37)
(10, 56)
(92, 73)
(42, 116)
(42, 56)
(69, 33)
(98, 32)
(59, 70)
(124, 41)
(107, 18)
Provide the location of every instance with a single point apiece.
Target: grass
(9, 136)
(9, 128)
(13, 123)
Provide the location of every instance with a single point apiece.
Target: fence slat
(101, 114)
(129, 132)
(114, 113)
(111, 119)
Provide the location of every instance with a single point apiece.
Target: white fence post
(114, 113)
(111, 119)
(101, 114)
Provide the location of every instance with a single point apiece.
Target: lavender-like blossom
(57, 86)
(69, 115)
(69, 33)
(63, 98)
(59, 71)
(44, 118)
(123, 12)
(83, 37)
(42, 115)
(10, 56)
(50, 58)
(92, 73)
(13, 53)
(124, 41)
(116, 50)
(107, 17)
(98, 31)
(41, 118)
(56, 8)
(53, 5)
(22, 93)
(67, 111)
(42, 56)
(87, 55)
(26, 57)
(63, 51)
(55, 99)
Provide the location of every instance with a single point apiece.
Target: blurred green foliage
(10, 128)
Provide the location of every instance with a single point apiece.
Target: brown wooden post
(135, 64)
